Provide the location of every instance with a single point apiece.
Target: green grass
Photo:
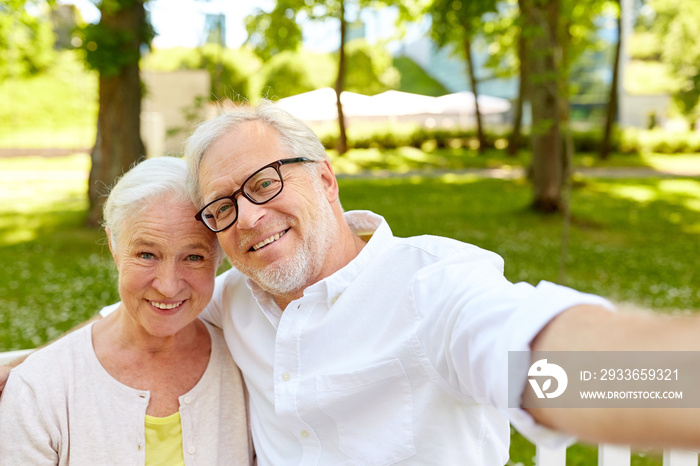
(632, 240)
(53, 109)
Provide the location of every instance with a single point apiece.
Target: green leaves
(115, 42)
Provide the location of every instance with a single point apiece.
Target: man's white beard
(295, 273)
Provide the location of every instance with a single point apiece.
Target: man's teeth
(166, 306)
(269, 240)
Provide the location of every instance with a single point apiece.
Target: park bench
(608, 455)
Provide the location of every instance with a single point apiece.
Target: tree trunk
(516, 135)
(611, 113)
(340, 83)
(547, 168)
(568, 149)
(118, 145)
(473, 83)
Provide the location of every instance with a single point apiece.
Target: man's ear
(328, 181)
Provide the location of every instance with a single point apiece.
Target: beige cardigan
(61, 407)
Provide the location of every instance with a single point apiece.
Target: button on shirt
(401, 357)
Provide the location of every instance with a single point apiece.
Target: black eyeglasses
(260, 187)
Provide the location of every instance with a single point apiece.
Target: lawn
(633, 240)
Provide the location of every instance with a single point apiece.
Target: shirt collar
(361, 222)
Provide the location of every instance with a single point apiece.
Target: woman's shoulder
(58, 357)
(216, 335)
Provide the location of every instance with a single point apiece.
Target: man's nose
(248, 213)
(168, 280)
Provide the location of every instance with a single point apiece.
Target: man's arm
(592, 328)
(5, 370)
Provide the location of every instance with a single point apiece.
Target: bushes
(291, 73)
(394, 135)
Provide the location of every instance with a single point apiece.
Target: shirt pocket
(373, 411)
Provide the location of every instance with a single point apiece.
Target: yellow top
(164, 441)
(364, 235)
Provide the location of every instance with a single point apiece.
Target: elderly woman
(151, 383)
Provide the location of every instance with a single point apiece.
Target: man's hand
(4, 374)
(592, 328)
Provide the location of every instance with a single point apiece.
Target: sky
(181, 22)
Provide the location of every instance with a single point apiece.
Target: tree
(677, 27)
(611, 112)
(541, 30)
(557, 33)
(456, 23)
(26, 40)
(278, 30)
(113, 48)
(515, 139)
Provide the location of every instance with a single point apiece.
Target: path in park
(519, 172)
(503, 173)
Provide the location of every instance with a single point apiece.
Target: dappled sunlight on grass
(54, 271)
(619, 247)
(454, 178)
(680, 164)
(635, 193)
(681, 186)
(38, 192)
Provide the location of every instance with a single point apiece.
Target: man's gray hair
(150, 180)
(295, 137)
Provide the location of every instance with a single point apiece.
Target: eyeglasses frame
(276, 165)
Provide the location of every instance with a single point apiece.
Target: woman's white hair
(150, 180)
(297, 139)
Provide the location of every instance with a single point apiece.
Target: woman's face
(167, 262)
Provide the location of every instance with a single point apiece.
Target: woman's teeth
(166, 306)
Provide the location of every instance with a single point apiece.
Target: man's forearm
(590, 328)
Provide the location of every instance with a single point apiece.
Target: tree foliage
(275, 31)
(456, 23)
(286, 75)
(278, 30)
(113, 48)
(233, 68)
(369, 68)
(677, 28)
(26, 40)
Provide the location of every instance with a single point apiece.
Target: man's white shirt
(400, 357)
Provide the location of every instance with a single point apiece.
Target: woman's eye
(146, 255)
(195, 258)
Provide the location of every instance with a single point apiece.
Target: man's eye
(146, 255)
(223, 210)
(195, 258)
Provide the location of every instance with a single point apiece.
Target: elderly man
(359, 347)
